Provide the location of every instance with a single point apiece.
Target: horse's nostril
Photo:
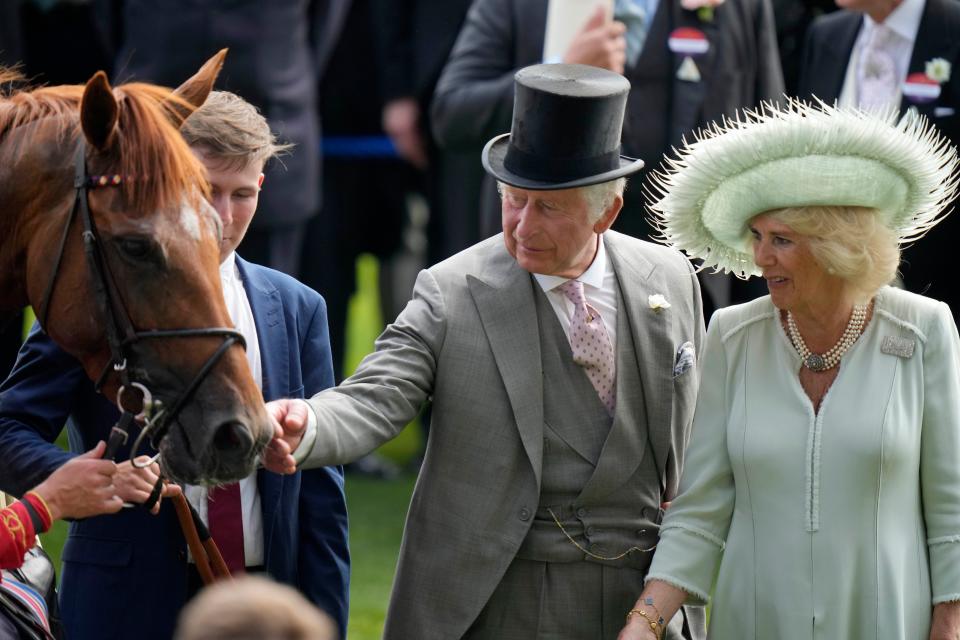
(232, 438)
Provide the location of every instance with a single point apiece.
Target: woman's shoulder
(911, 311)
(738, 318)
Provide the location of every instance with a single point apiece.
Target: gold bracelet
(655, 626)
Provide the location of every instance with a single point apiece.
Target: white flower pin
(657, 302)
(704, 8)
(938, 70)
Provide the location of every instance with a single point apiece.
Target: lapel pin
(688, 71)
(920, 88)
(688, 41)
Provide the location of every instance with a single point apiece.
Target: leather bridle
(121, 335)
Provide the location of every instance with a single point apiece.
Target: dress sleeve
(695, 527)
(940, 453)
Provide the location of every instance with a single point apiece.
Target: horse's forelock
(165, 172)
(151, 151)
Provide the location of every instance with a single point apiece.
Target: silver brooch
(896, 346)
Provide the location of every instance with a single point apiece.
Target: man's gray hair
(600, 196)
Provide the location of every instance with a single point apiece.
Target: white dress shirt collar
(904, 20)
(593, 276)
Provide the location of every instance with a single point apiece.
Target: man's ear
(260, 181)
(609, 216)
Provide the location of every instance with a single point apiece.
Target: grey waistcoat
(575, 431)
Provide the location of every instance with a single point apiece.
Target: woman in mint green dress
(820, 495)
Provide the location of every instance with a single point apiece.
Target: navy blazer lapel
(503, 295)
(934, 40)
(654, 347)
(267, 316)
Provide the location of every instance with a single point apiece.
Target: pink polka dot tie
(591, 344)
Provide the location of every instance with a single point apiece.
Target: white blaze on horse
(105, 231)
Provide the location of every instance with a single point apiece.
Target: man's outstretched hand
(289, 419)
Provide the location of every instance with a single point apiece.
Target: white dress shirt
(903, 23)
(238, 306)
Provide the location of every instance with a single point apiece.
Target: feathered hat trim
(800, 155)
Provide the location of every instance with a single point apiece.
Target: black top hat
(567, 120)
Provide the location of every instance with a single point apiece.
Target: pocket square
(943, 112)
(686, 358)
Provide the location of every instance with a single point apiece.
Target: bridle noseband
(120, 332)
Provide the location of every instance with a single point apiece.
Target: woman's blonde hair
(849, 242)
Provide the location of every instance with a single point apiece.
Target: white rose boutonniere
(657, 302)
(704, 8)
(938, 70)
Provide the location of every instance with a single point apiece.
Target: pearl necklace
(830, 359)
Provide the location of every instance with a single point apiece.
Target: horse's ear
(99, 112)
(196, 89)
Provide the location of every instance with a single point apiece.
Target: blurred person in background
(896, 55)
(253, 608)
(278, 51)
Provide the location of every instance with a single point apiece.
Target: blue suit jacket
(125, 575)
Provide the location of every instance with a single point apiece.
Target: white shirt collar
(904, 20)
(593, 276)
(228, 268)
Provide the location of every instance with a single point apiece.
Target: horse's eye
(136, 248)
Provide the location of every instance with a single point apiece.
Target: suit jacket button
(581, 512)
(524, 514)
(590, 531)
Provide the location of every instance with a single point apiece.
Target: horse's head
(152, 313)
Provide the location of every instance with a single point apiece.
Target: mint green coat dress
(841, 525)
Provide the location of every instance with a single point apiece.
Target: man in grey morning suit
(539, 496)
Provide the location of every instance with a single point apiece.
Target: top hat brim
(495, 152)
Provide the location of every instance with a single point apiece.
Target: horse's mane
(151, 149)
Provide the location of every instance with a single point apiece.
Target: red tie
(225, 519)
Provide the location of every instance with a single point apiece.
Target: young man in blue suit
(128, 575)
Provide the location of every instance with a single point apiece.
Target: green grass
(377, 508)
(377, 511)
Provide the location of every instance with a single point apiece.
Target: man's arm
(474, 97)
(324, 555)
(377, 401)
(35, 402)
(45, 387)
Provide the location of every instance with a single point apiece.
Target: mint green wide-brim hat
(800, 155)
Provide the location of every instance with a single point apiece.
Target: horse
(106, 231)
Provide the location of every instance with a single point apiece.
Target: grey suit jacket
(468, 339)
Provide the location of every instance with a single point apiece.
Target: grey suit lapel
(626, 445)
(504, 298)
